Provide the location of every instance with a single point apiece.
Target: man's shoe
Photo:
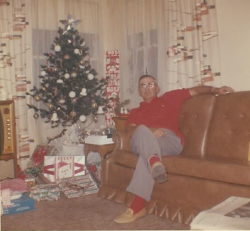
(128, 216)
(158, 172)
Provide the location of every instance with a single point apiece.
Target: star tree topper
(70, 23)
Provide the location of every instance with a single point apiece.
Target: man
(154, 130)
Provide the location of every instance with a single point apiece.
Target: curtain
(14, 71)
(174, 40)
(192, 45)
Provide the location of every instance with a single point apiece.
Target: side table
(103, 150)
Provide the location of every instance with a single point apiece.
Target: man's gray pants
(145, 144)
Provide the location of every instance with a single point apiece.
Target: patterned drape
(193, 46)
(14, 72)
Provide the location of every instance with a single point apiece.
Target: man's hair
(144, 76)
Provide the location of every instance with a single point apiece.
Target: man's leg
(146, 145)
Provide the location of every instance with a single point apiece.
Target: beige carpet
(85, 213)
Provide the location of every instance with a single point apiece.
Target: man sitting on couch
(154, 130)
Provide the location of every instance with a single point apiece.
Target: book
(231, 214)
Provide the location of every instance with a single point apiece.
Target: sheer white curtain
(141, 41)
(174, 40)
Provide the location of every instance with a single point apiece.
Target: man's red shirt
(161, 112)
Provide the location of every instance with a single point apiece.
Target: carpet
(84, 213)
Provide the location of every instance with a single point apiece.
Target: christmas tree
(69, 88)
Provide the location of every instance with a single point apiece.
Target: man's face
(148, 89)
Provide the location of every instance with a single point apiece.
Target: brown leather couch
(213, 166)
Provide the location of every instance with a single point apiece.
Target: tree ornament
(62, 101)
(43, 73)
(67, 57)
(36, 115)
(55, 69)
(96, 119)
(37, 98)
(59, 81)
(94, 104)
(70, 23)
(83, 44)
(44, 88)
(69, 41)
(73, 113)
(54, 117)
(83, 92)
(66, 76)
(82, 118)
(100, 110)
(86, 58)
(82, 61)
(50, 106)
(73, 74)
(77, 51)
(81, 66)
(57, 48)
(90, 76)
(72, 94)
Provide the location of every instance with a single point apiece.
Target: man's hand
(210, 90)
(223, 90)
(157, 132)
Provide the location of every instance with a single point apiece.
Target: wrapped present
(45, 192)
(95, 169)
(72, 150)
(59, 167)
(37, 157)
(30, 180)
(78, 186)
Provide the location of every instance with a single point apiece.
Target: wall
(234, 37)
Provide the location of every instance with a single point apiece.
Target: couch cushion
(229, 131)
(211, 168)
(126, 158)
(194, 120)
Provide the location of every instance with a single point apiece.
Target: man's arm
(158, 132)
(210, 90)
(130, 129)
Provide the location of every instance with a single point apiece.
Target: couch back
(216, 126)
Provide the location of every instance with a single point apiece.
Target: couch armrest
(121, 140)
